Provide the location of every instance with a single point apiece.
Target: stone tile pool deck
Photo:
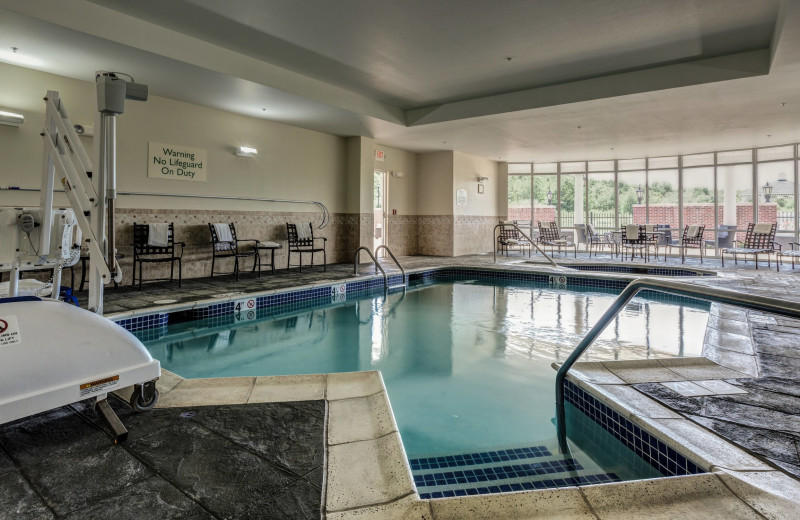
(749, 478)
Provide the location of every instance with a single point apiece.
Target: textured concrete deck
(751, 351)
(242, 461)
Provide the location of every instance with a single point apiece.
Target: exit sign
(380, 155)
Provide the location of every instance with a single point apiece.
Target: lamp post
(639, 193)
(767, 191)
(549, 197)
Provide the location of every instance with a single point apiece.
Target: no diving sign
(9, 331)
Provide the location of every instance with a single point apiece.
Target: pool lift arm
(40, 369)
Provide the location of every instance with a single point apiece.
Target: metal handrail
(325, 213)
(375, 261)
(713, 294)
(403, 271)
(529, 239)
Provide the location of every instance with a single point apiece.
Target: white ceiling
(644, 77)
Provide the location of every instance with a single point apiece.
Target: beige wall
(402, 190)
(435, 192)
(466, 170)
(292, 163)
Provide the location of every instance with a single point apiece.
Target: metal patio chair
(301, 240)
(225, 244)
(155, 243)
(692, 238)
(549, 235)
(510, 238)
(758, 240)
(634, 238)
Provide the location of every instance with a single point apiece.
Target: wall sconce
(639, 193)
(245, 151)
(11, 119)
(483, 179)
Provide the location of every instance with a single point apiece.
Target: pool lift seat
(54, 354)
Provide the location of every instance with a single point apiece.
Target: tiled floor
(242, 461)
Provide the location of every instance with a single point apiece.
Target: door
(379, 210)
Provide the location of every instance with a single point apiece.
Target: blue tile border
(585, 480)
(485, 457)
(304, 298)
(654, 451)
(497, 473)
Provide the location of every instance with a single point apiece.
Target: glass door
(379, 216)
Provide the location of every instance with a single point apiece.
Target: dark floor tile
(671, 399)
(748, 415)
(300, 501)
(773, 384)
(151, 498)
(777, 366)
(215, 472)
(316, 408)
(85, 475)
(59, 433)
(276, 431)
(777, 405)
(316, 476)
(774, 445)
(5, 463)
(18, 501)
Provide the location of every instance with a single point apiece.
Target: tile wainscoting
(436, 235)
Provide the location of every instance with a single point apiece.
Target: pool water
(466, 364)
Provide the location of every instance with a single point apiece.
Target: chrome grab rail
(403, 271)
(377, 265)
(712, 294)
(325, 213)
(494, 233)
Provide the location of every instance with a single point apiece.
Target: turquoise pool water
(466, 364)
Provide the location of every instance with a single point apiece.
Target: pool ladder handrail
(529, 239)
(402, 271)
(378, 266)
(701, 292)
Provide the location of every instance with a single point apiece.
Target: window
(573, 200)
(632, 189)
(662, 197)
(600, 201)
(519, 197)
(776, 194)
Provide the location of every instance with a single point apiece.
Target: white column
(729, 201)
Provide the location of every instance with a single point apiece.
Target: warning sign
(95, 387)
(9, 331)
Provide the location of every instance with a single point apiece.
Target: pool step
(500, 471)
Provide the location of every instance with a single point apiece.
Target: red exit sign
(380, 155)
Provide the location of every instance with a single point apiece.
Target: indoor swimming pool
(466, 364)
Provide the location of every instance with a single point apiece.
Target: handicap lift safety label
(9, 331)
(101, 385)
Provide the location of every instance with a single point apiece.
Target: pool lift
(51, 353)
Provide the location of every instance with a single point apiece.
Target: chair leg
(324, 260)
(213, 260)
(180, 272)
(133, 273)
(140, 275)
(172, 271)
